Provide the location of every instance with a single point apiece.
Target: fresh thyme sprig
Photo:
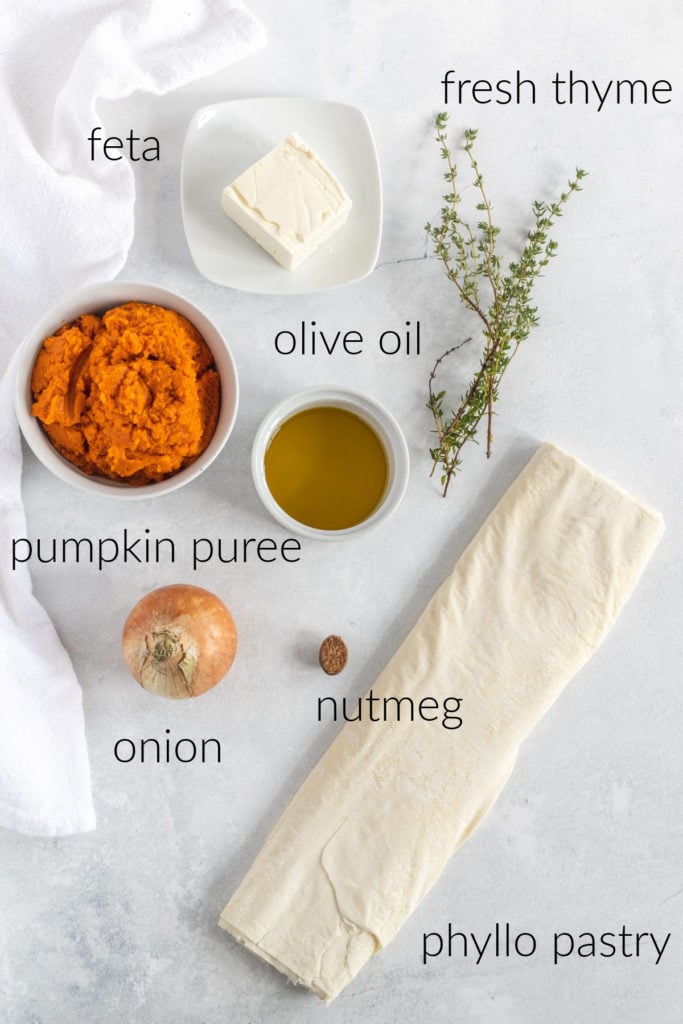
(500, 300)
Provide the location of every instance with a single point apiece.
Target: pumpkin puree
(132, 395)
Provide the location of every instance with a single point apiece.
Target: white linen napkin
(68, 222)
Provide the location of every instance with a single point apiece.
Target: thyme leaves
(499, 297)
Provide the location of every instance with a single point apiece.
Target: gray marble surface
(120, 924)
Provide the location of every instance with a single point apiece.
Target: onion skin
(179, 641)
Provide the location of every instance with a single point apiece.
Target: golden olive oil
(327, 468)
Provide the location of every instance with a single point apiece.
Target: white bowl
(382, 422)
(98, 298)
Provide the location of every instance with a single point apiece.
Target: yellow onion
(179, 641)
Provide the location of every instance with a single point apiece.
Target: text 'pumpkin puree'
(132, 395)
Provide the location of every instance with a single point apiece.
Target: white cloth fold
(67, 222)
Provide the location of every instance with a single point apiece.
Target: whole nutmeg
(333, 655)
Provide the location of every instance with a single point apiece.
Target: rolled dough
(371, 829)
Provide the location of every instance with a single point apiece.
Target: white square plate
(224, 139)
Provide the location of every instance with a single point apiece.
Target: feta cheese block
(288, 202)
(372, 827)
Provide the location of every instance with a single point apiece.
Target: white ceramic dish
(379, 418)
(97, 299)
(224, 139)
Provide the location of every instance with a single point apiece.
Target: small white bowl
(382, 422)
(98, 298)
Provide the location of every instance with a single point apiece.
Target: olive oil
(327, 468)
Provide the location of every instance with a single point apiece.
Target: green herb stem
(473, 265)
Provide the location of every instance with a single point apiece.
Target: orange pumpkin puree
(132, 395)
